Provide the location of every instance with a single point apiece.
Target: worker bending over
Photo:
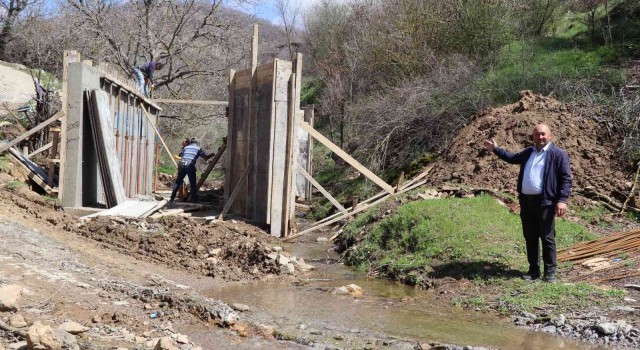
(187, 167)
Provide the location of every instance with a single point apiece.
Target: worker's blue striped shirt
(190, 154)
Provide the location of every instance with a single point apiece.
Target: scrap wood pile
(605, 254)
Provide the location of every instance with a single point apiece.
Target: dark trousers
(190, 171)
(538, 224)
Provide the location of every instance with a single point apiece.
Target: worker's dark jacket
(556, 181)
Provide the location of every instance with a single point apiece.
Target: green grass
(475, 238)
(552, 65)
(4, 164)
(15, 184)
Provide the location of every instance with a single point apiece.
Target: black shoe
(530, 276)
(550, 278)
(170, 205)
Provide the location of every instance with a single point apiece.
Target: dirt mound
(591, 150)
(227, 250)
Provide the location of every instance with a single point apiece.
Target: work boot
(550, 278)
(170, 204)
(530, 276)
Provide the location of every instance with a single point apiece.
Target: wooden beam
(18, 124)
(192, 102)
(355, 211)
(254, 49)
(159, 136)
(347, 158)
(32, 131)
(40, 150)
(32, 176)
(309, 178)
(235, 192)
(211, 164)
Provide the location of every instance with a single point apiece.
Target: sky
(266, 9)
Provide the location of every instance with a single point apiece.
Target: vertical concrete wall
(135, 138)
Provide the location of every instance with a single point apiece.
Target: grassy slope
(476, 239)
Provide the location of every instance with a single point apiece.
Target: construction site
(94, 258)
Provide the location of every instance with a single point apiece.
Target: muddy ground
(140, 284)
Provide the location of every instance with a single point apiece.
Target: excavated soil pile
(227, 250)
(591, 151)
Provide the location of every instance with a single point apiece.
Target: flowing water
(387, 307)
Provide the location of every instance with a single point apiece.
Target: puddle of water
(387, 307)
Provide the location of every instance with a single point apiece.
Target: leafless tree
(10, 13)
(289, 14)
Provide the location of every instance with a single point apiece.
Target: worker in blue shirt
(544, 187)
(187, 167)
(145, 76)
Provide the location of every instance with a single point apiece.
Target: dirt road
(16, 86)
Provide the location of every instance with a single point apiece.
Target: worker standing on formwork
(187, 167)
(145, 76)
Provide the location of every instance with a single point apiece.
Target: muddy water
(387, 307)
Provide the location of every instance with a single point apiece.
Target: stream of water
(386, 307)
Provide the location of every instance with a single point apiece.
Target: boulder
(351, 289)
(166, 343)
(17, 321)
(73, 327)
(607, 328)
(287, 269)
(282, 260)
(9, 296)
(42, 337)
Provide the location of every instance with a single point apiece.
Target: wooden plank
(15, 117)
(159, 136)
(347, 158)
(32, 175)
(40, 150)
(131, 88)
(235, 192)
(288, 203)
(212, 163)
(252, 178)
(263, 135)
(254, 49)
(53, 154)
(322, 190)
(191, 102)
(31, 131)
(355, 211)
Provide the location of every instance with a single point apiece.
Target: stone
(287, 269)
(215, 252)
(166, 343)
(607, 328)
(240, 307)
(231, 318)
(182, 339)
(304, 266)
(559, 321)
(550, 329)
(96, 319)
(321, 239)
(630, 300)
(623, 308)
(276, 249)
(42, 337)
(17, 321)
(272, 256)
(9, 296)
(355, 290)
(21, 345)
(282, 260)
(73, 327)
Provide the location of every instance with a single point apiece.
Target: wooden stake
(159, 136)
(235, 192)
(347, 158)
(321, 189)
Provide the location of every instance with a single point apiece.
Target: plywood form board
(264, 104)
(309, 118)
(242, 133)
(279, 153)
(105, 141)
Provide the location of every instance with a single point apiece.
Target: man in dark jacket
(145, 76)
(544, 186)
